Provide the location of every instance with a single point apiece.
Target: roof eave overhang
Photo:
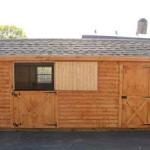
(72, 58)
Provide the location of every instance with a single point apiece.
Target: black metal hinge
(16, 124)
(15, 93)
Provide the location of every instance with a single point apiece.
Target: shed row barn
(75, 83)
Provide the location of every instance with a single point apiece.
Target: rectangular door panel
(135, 88)
(135, 80)
(34, 110)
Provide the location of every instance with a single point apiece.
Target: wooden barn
(75, 83)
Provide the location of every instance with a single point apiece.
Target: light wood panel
(76, 75)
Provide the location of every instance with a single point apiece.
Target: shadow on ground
(121, 140)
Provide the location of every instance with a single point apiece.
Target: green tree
(11, 32)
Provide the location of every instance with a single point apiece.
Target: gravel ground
(121, 140)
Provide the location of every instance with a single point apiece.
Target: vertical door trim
(11, 76)
(13, 88)
(120, 92)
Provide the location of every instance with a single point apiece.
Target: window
(34, 76)
(44, 74)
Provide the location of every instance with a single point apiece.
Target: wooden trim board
(31, 58)
(120, 92)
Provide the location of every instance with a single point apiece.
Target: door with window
(135, 95)
(33, 96)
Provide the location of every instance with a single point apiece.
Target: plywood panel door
(135, 88)
(34, 110)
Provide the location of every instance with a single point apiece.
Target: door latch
(124, 97)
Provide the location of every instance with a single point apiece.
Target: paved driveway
(75, 140)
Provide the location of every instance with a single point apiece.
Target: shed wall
(91, 109)
(5, 95)
(75, 109)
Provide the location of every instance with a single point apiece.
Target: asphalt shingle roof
(76, 47)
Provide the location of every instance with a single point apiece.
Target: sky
(74, 18)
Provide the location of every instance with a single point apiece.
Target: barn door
(34, 109)
(148, 112)
(135, 95)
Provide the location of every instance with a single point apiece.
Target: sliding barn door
(34, 109)
(135, 95)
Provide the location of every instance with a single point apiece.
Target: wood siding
(5, 94)
(76, 76)
(103, 107)
(92, 109)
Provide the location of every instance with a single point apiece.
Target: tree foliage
(11, 32)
